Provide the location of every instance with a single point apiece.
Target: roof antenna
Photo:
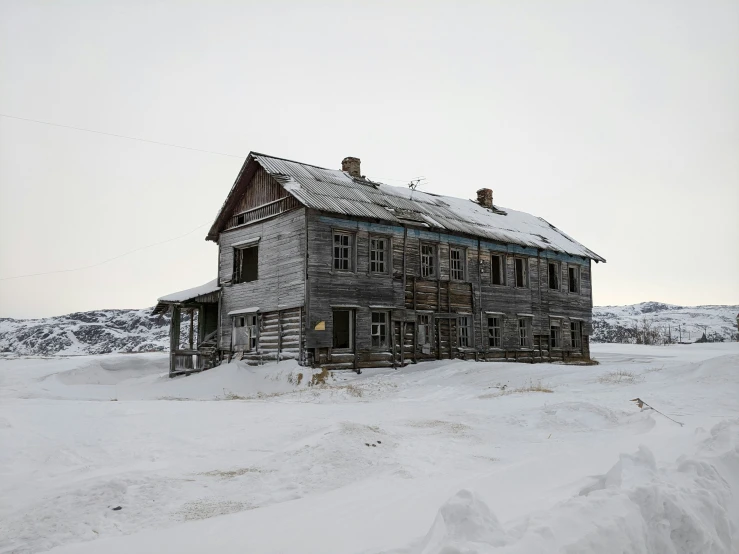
(415, 183)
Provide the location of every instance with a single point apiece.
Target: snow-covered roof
(185, 295)
(335, 191)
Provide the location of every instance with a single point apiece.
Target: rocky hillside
(665, 322)
(96, 332)
(103, 331)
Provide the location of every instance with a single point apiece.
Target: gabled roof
(335, 191)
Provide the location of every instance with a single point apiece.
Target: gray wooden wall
(281, 267)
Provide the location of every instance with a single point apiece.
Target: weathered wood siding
(403, 295)
(281, 268)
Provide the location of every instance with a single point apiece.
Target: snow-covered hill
(96, 332)
(106, 331)
(618, 323)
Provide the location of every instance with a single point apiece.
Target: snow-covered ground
(439, 457)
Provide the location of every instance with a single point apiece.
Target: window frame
(526, 336)
(495, 337)
(525, 272)
(576, 335)
(250, 321)
(435, 257)
(382, 344)
(237, 276)
(429, 325)
(578, 271)
(352, 246)
(501, 268)
(557, 275)
(464, 331)
(462, 263)
(387, 251)
(555, 333)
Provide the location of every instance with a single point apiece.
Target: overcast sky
(616, 121)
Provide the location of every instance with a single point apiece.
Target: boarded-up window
(463, 332)
(555, 333)
(576, 334)
(378, 255)
(553, 274)
(457, 263)
(343, 251)
(379, 329)
(428, 260)
(497, 269)
(574, 275)
(494, 332)
(522, 277)
(246, 264)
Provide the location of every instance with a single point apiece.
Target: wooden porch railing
(264, 211)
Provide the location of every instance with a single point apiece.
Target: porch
(193, 348)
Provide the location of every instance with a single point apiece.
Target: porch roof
(202, 293)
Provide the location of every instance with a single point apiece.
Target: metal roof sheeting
(334, 191)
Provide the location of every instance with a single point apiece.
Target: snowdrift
(690, 506)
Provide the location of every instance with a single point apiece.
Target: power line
(105, 261)
(120, 136)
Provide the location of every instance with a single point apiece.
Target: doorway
(343, 329)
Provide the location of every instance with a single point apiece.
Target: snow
(438, 457)
(183, 295)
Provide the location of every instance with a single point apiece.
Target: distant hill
(618, 323)
(104, 331)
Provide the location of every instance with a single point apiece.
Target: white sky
(616, 121)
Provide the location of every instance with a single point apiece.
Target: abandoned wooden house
(337, 270)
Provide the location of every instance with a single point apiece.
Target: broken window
(494, 332)
(457, 263)
(428, 260)
(342, 251)
(245, 332)
(522, 277)
(463, 331)
(497, 269)
(576, 334)
(574, 275)
(524, 332)
(424, 330)
(553, 274)
(343, 329)
(378, 255)
(555, 333)
(379, 329)
(246, 264)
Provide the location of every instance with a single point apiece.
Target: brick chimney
(485, 198)
(351, 166)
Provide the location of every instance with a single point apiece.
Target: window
(246, 264)
(378, 255)
(457, 263)
(555, 333)
(379, 329)
(553, 274)
(522, 277)
(463, 331)
(342, 251)
(424, 330)
(343, 329)
(574, 274)
(497, 269)
(428, 260)
(576, 334)
(245, 332)
(494, 332)
(523, 332)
